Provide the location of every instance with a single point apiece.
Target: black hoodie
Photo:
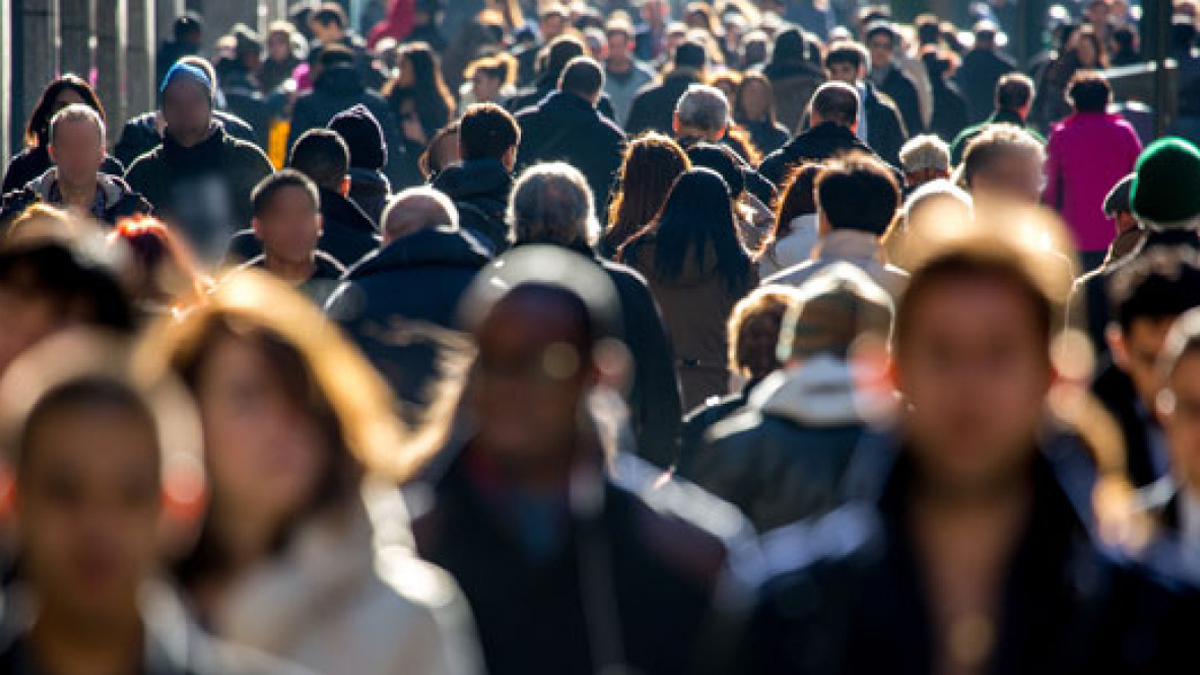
(480, 189)
(349, 234)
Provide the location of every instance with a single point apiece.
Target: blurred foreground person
(783, 458)
(76, 139)
(403, 332)
(970, 556)
(90, 454)
(571, 561)
(1146, 296)
(1003, 165)
(300, 555)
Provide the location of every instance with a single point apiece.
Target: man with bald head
(398, 302)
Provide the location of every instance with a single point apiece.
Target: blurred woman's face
(405, 75)
(279, 47)
(755, 100)
(265, 453)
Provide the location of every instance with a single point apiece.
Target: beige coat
(350, 597)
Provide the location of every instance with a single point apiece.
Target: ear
(257, 227)
(8, 492)
(510, 158)
(1116, 345)
(675, 123)
(320, 224)
(53, 158)
(345, 188)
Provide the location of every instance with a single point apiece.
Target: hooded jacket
(784, 456)
(480, 189)
(114, 201)
(141, 135)
(396, 303)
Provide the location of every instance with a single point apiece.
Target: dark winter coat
(784, 456)
(977, 77)
(949, 110)
(388, 301)
(794, 84)
(959, 147)
(886, 132)
(845, 596)
(903, 92)
(566, 127)
(114, 200)
(340, 88)
(203, 190)
(349, 234)
(1113, 388)
(140, 134)
(32, 162)
(480, 189)
(627, 581)
(318, 287)
(370, 190)
(654, 106)
(768, 136)
(819, 143)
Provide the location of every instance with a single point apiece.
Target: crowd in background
(621, 336)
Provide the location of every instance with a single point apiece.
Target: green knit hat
(1167, 187)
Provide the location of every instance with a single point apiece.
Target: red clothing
(1088, 154)
(398, 23)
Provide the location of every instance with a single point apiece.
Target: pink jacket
(1087, 155)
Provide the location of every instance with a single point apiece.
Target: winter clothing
(1080, 176)
(824, 141)
(32, 162)
(348, 233)
(653, 107)
(903, 92)
(558, 587)
(860, 249)
(885, 131)
(336, 90)
(370, 190)
(959, 147)
(1164, 191)
(387, 301)
(317, 287)
(697, 423)
(347, 595)
(794, 84)
(140, 134)
(369, 187)
(783, 457)
(949, 116)
(1146, 456)
(794, 249)
(480, 189)
(847, 596)
(273, 74)
(623, 87)
(768, 136)
(977, 76)
(569, 128)
(203, 190)
(696, 308)
(114, 199)
(173, 643)
(188, 73)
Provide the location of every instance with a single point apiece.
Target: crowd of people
(620, 336)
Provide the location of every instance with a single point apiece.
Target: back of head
(556, 55)
(1159, 284)
(703, 108)
(997, 142)
(858, 193)
(836, 102)
(363, 136)
(487, 131)
(789, 46)
(335, 55)
(925, 152)
(833, 312)
(985, 34)
(754, 327)
(720, 158)
(266, 190)
(321, 155)
(582, 77)
(187, 26)
(690, 55)
(1164, 194)
(1089, 92)
(846, 52)
(415, 209)
(1014, 91)
(552, 204)
(696, 222)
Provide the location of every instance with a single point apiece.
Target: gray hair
(418, 208)
(924, 153)
(940, 191)
(77, 112)
(703, 107)
(552, 204)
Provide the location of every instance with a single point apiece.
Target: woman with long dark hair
(419, 78)
(652, 164)
(34, 160)
(304, 552)
(754, 111)
(697, 270)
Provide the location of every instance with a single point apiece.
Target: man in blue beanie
(199, 178)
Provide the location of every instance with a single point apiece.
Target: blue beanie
(186, 72)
